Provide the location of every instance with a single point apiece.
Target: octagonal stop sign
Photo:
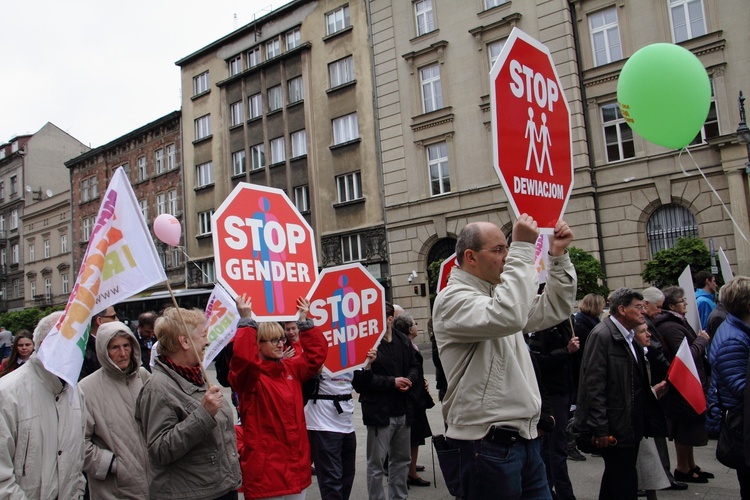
(348, 304)
(445, 271)
(263, 247)
(532, 148)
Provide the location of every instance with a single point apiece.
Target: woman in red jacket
(275, 457)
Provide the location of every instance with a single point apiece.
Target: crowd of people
(525, 381)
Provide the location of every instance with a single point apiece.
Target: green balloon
(664, 94)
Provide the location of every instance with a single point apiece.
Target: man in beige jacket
(492, 404)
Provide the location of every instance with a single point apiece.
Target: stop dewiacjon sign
(532, 147)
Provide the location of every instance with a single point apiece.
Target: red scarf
(192, 374)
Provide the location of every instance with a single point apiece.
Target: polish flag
(684, 377)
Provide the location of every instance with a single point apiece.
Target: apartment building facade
(152, 159)
(31, 171)
(631, 198)
(287, 102)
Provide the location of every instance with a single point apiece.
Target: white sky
(99, 69)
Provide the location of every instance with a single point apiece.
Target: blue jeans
(516, 470)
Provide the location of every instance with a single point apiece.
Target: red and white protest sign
(445, 271)
(348, 304)
(263, 247)
(531, 132)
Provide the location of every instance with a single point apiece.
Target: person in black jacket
(387, 410)
(90, 359)
(145, 335)
(553, 349)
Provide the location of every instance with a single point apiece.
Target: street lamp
(743, 132)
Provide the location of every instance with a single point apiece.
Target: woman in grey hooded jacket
(116, 455)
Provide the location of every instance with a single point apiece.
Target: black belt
(332, 397)
(502, 435)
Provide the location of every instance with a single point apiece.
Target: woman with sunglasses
(686, 427)
(275, 456)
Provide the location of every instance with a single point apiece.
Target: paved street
(585, 476)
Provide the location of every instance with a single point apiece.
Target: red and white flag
(684, 377)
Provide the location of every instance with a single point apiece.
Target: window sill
(425, 36)
(236, 126)
(257, 170)
(140, 181)
(198, 96)
(345, 144)
(238, 176)
(204, 187)
(254, 119)
(274, 111)
(338, 33)
(496, 8)
(297, 158)
(295, 103)
(203, 139)
(203, 236)
(350, 202)
(277, 164)
(337, 88)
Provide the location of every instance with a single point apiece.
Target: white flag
(686, 283)
(120, 261)
(223, 317)
(726, 269)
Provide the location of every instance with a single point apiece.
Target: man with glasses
(90, 360)
(614, 393)
(492, 403)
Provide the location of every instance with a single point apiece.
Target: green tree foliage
(589, 271)
(26, 319)
(433, 273)
(667, 265)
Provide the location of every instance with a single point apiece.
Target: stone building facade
(152, 158)
(631, 198)
(32, 171)
(287, 102)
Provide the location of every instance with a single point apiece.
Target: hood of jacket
(104, 335)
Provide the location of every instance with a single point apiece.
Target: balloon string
(191, 261)
(679, 161)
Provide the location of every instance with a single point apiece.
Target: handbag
(730, 447)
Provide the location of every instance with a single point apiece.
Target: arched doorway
(441, 250)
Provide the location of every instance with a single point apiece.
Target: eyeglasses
(497, 250)
(110, 316)
(276, 341)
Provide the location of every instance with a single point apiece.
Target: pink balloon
(168, 229)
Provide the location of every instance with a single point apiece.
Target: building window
(351, 248)
(349, 187)
(204, 174)
(173, 257)
(202, 127)
(14, 219)
(144, 208)
(345, 129)
(207, 272)
(86, 228)
(667, 224)
(48, 289)
(258, 156)
(46, 249)
(710, 127)
(204, 222)
(15, 255)
(302, 198)
(494, 49)
(337, 20)
(273, 48)
(235, 111)
(255, 105)
(605, 36)
(171, 157)
(63, 243)
(3, 257)
(299, 143)
(618, 137)
(437, 163)
(278, 151)
(687, 19)
(142, 168)
(200, 83)
(17, 289)
(94, 187)
(161, 204)
(432, 90)
(341, 71)
(13, 185)
(65, 283)
(238, 162)
(32, 289)
(159, 161)
(2, 188)
(32, 252)
(274, 98)
(2, 222)
(424, 16)
(296, 93)
(253, 57)
(488, 4)
(235, 65)
(292, 39)
(172, 201)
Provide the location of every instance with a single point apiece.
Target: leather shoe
(677, 485)
(689, 477)
(417, 481)
(702, 473)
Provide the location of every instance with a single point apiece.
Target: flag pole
(190, 337)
